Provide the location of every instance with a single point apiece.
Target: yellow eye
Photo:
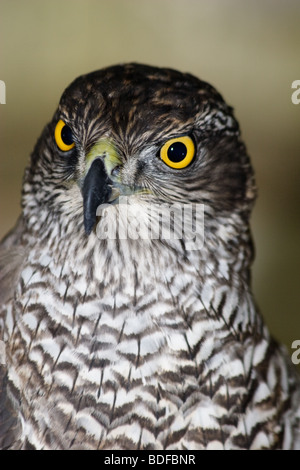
(178, 153)
(63, 136)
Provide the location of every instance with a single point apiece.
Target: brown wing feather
(11, 259)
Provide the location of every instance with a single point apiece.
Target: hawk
(111, 339)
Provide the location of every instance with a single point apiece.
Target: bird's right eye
(63, 136)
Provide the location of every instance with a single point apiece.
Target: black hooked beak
(97, 188)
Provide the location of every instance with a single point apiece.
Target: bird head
(154, 134)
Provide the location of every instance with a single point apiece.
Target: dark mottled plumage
(112, 343)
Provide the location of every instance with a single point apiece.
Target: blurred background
(250, 51)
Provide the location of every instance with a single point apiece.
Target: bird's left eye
(63, 136)
(178, 153)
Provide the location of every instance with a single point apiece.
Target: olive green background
(249, 50)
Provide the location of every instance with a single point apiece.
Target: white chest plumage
(142, 356)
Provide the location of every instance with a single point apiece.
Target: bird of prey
(116, 340)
